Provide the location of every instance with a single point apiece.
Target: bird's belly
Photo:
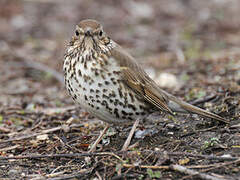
(102, 92)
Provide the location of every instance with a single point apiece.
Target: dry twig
(191, 172)
(46, 131)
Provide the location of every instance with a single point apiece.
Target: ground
(191, 45)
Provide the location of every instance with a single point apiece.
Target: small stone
(42, 137)
(227, 155)
(173, 127)
(167, 80)
(13, 172)
(140, 134)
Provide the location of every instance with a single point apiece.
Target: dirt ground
(191, 48)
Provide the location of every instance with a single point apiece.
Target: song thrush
(107, 82)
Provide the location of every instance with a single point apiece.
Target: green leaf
(154, 174)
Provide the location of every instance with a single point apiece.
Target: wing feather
(145, 90)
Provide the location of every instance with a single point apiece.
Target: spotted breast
(94, 81)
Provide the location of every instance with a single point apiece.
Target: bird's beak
(88, 32)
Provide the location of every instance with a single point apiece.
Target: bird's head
(89, 35)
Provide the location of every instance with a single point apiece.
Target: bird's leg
(128, 140)
(94, 146)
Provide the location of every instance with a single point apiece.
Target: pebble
(167, 80)
(140, 134)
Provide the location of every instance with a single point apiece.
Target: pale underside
(98, 87)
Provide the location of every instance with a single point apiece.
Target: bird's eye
(100, 33)
(77, 33)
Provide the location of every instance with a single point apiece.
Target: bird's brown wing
(137, 80)
(133, 81)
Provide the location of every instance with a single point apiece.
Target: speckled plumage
(106, 81)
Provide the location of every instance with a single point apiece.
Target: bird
(105, 80)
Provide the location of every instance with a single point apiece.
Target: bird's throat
(89, 44)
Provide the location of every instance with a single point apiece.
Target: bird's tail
(178, 105)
